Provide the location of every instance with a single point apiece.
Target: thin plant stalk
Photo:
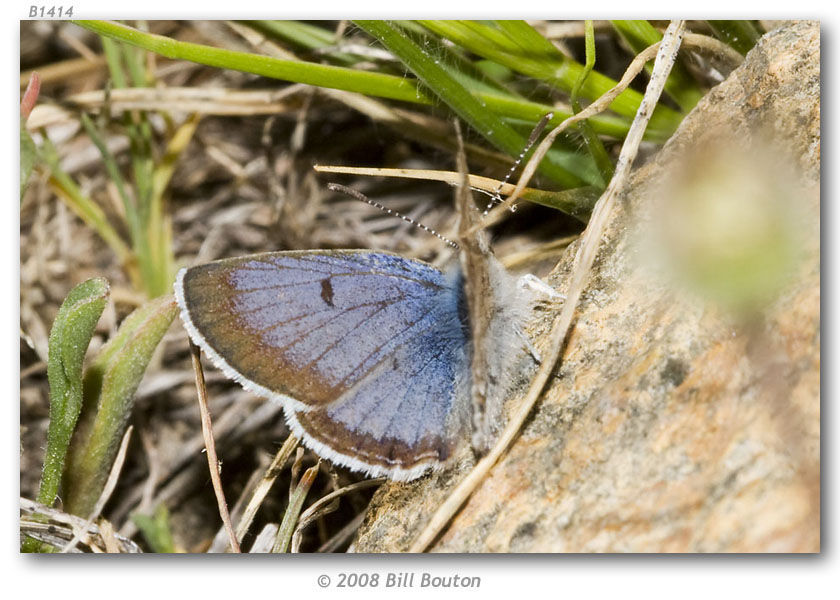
(593, 142)
(290, 517)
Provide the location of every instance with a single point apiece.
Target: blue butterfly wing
(366, 350)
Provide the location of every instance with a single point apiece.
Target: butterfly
(383, 364)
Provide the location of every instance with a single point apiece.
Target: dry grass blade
(477, 182)
(65, 70)
(203, 101)
(570, 29)
(60, 526)
(583, 263)
(264, 486)
(237, 421)
(209, 444)
(326, 505)
(706, 43)
(265, 539)
(517, 260)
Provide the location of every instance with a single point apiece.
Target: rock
(674, 423)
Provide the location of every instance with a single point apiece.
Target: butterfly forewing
(366, 347)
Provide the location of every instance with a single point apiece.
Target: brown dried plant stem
(587, 251)
(326, 505)
(210, 446)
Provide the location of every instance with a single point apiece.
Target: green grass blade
(464, 104)
(532, 112)
(453, 61)
(310, 38)
(589, 41)
(113, 58)
(135, 62)
(741, 35)
(69, 338)
(159, 226)
(529, 40)
(109, 385)
(110, 163)
(84, 207)
(305, 35)
(363, 82)
(549, 66)
(593, 142)
(290, 517)
(141, 205)
(577, 202)
(371, 84)
(136, 213)
(680, 85)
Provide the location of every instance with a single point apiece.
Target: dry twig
(209, 444)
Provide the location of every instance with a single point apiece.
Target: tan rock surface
(672, 425)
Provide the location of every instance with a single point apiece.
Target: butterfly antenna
(360, 196)
(496, 198)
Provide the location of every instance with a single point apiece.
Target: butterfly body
(499, 349)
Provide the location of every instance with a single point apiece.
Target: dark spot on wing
(327, 292)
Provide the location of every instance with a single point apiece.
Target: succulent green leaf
(69, 338)
(109, 386)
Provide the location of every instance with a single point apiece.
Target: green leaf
(577, 202)
(69, 338)
(156, 530)
(110, 163)
(109, 386)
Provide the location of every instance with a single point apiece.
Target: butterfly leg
(528, 345)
